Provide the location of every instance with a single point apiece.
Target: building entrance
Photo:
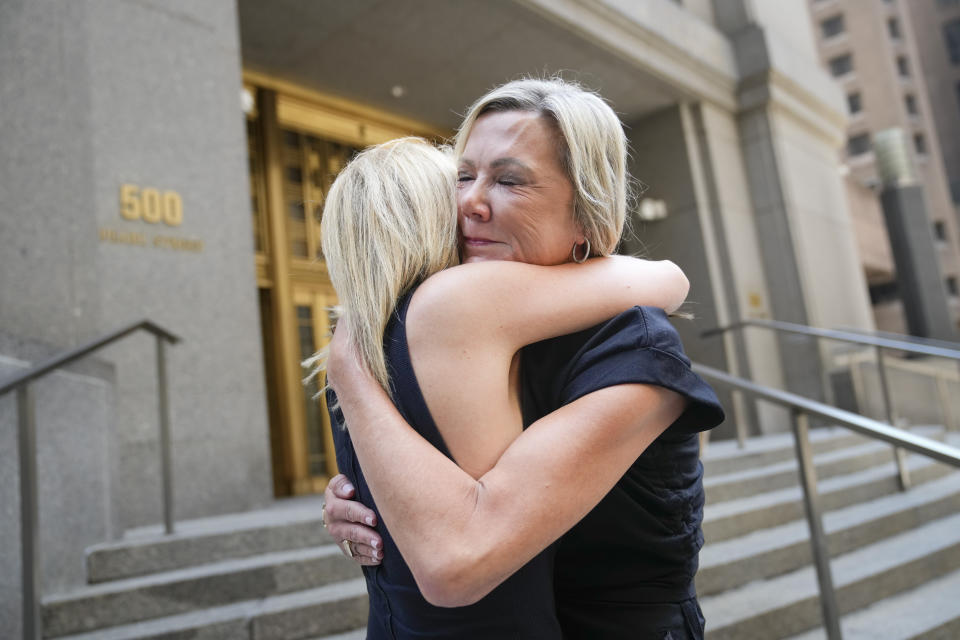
(297, 143)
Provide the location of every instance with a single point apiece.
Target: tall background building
(937, 25)
(895, 63)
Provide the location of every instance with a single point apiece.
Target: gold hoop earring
(586, 254)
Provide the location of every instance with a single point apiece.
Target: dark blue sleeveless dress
(521, 608)
(626, 570)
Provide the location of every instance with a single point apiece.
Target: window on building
(841, 65)
(903, 66)
(952, 287)
(859, 144)
(884, 292)
(920, 143)
(893, 28)
(910, 102)
(854, 102)
(951, 31)
(832, 26)
(940, 231)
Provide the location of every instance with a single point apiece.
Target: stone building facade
(166, 160)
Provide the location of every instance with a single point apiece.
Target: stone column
(666, 158)
(791, 126)
(911, 240)
(125, 195)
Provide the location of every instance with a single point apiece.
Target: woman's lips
(478, 242)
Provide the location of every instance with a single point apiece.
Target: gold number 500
(150, 205)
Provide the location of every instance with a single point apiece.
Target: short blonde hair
(593, 149)
(389, 222)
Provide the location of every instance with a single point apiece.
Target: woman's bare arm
(489, 310)
(463, 536)
(465, 325)
(523, 303)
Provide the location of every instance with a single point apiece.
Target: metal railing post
(29, 520)
(818, 540)
(943, 396)
(739, 404)
(903, 474)
(21, 383)
(165, 463)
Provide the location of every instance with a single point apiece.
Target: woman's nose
(472, 201)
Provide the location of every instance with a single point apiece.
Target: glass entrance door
(314, 321)
(297, 143)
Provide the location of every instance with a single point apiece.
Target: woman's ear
(580, 235)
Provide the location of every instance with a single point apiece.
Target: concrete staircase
(270, 574)
(276, 574)
(896, 555)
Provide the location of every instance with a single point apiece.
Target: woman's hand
(347, 519)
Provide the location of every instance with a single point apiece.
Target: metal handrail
(27, 440)
(877, 342)
(75, 354)
(800, 409)
(844, 336)
(933, 342)
(853, 421)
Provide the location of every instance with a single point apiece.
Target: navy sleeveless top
(522, 607)
(638, 547)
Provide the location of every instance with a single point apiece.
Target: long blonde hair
(593, 149)
(389, 222)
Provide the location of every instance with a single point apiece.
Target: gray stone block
(333, 609)
(725, 521)
(128, 601)
(217, 539)
(10, 565)
(784, 474)
(726, 457)
(103, 93)
(768, 553)
(789, 605)
(73, 409)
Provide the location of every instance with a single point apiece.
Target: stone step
(789, 604)
(331, 609)
(739, 517)
(927, 612)
(180, 591)
(357, 634)
(781, 475)
(286, 525)
(949, 630)
(777, 550)
(726, 456)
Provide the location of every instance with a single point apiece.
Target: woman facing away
(541, 180)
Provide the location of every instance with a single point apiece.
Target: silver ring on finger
(347, 549)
